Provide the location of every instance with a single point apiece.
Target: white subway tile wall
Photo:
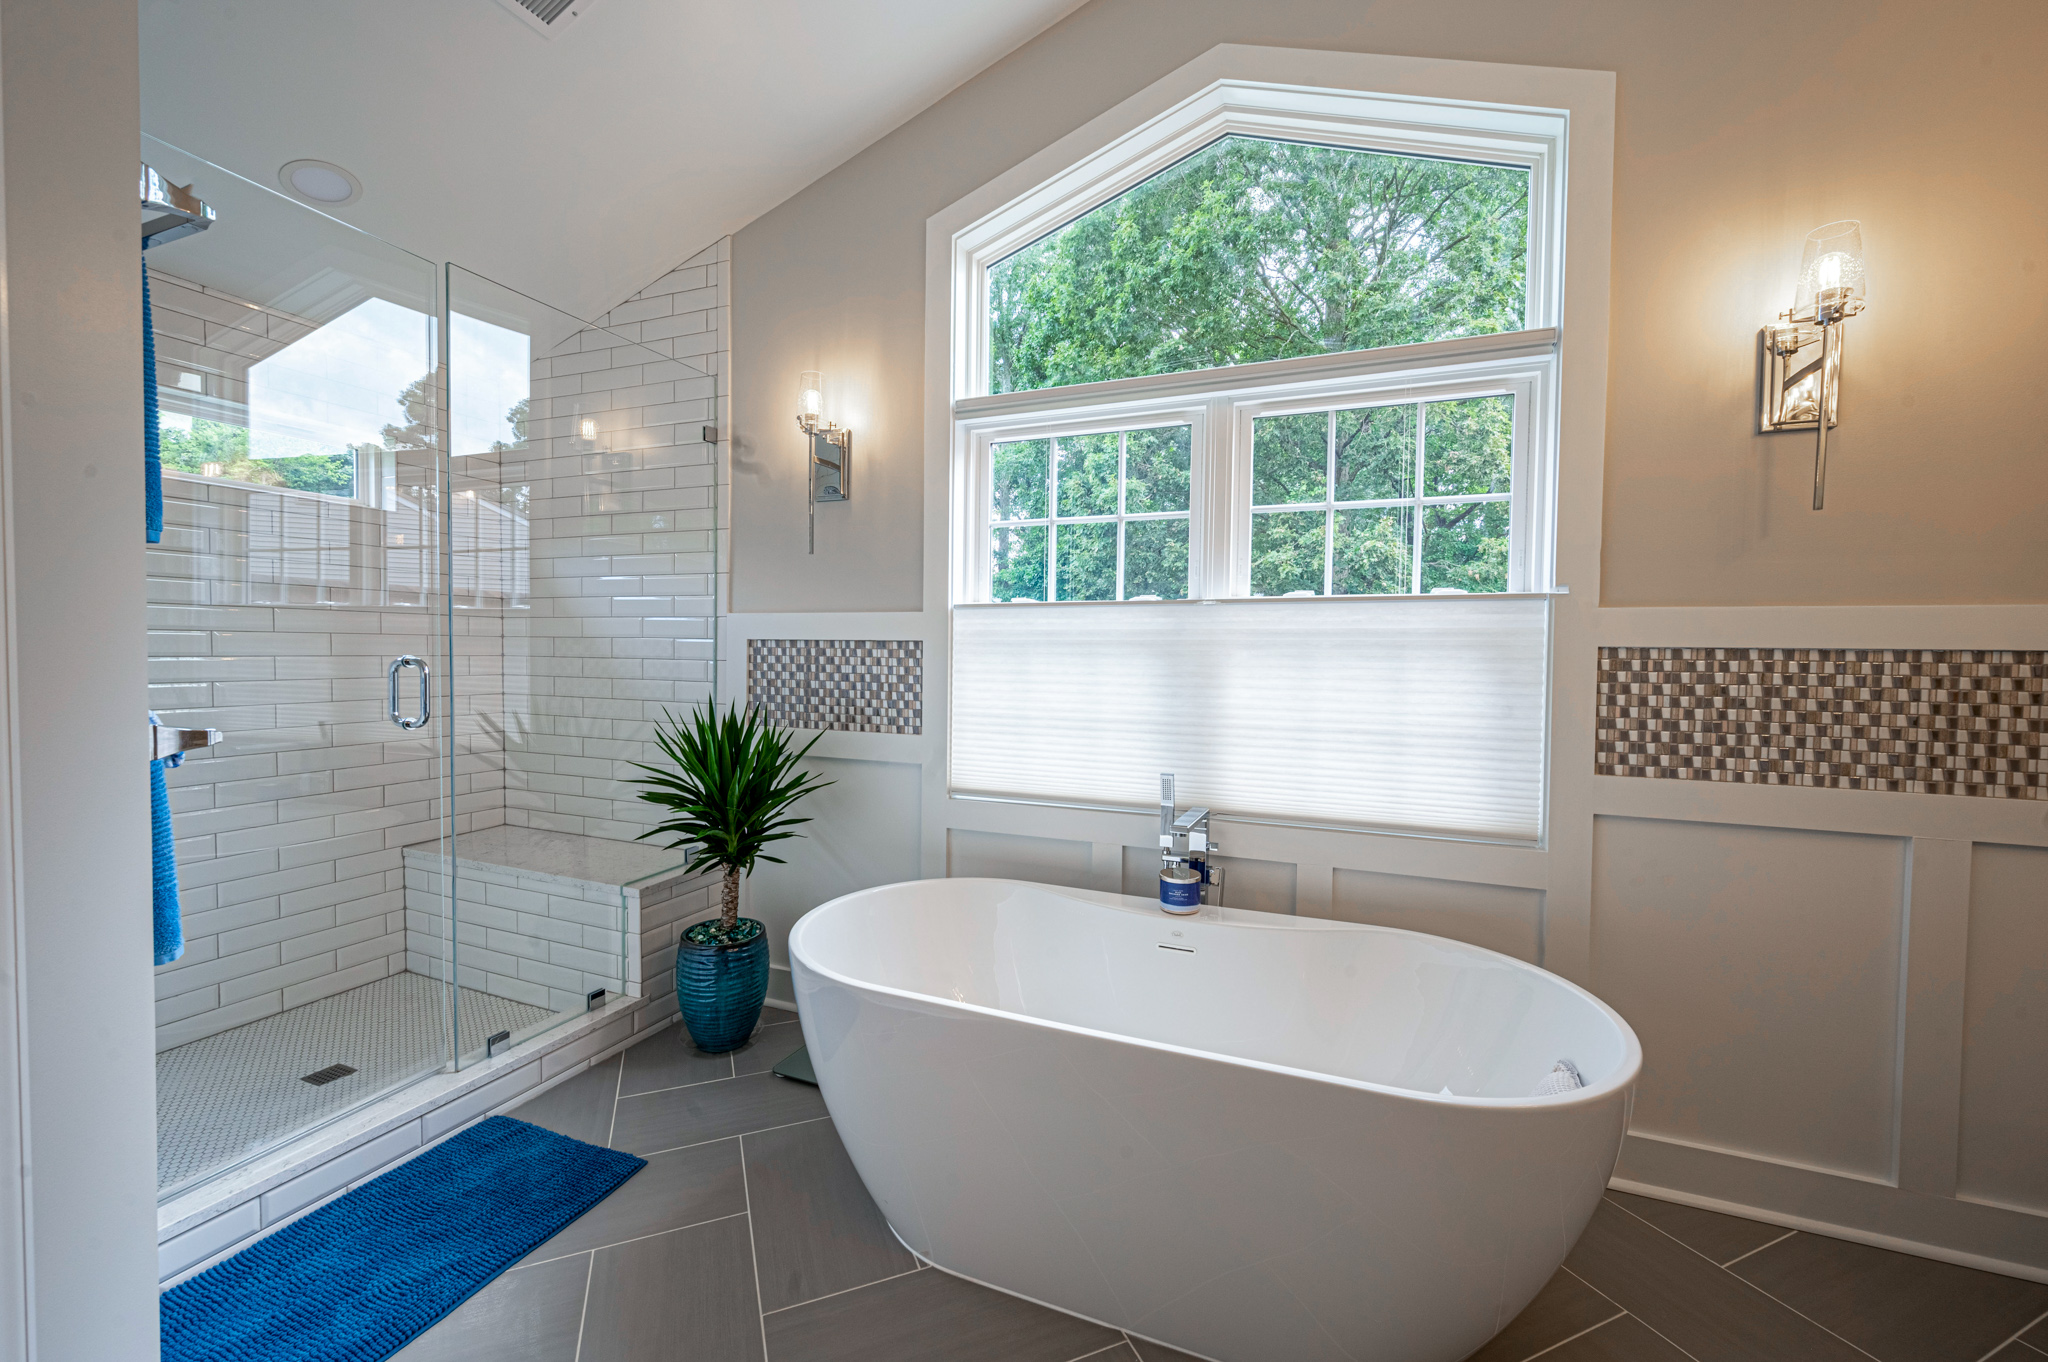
(288, 833)
(626, 570)
(549, 940)
(274, 614)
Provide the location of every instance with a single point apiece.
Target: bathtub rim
(1618, 1084)
(938, 1266)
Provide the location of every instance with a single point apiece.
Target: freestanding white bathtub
(1229, 1136)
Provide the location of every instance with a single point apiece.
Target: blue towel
(170, 931)
(365, 1274)
(152, 448)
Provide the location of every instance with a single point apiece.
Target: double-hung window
(1303, 347)
(1095, 517)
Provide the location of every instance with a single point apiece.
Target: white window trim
(1585, 99)
(1532, 474)
(1415, 125)
(978, 470)
(981, 466)
(1220, 403)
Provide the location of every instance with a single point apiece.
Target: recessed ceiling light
(321, 182)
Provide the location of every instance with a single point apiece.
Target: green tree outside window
(1254, 250)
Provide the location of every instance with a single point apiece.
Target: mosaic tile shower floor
(226, 1096)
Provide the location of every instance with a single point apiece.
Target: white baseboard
(2005, 1240)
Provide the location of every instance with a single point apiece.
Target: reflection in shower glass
(296, 376)
(368, 458)
(330, 395)
(487, 408)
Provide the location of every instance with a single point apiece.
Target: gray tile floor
(1651, 1281)
(227, 1096)
(749, 1238)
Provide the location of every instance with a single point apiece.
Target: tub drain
(327, 1075)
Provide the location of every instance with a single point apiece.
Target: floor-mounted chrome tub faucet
(1188, 875)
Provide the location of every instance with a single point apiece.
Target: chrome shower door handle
(426, 693)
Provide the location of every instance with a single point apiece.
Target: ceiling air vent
(548, 17)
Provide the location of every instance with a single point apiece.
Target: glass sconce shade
(1831, 274)
(1800, 385)
(830, 447)
(810, 399)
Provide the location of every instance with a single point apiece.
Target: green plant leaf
(728, 785)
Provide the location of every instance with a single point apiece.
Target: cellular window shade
(1416, 714)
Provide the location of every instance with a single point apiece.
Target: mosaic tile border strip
(844, 685)
(1916, 721)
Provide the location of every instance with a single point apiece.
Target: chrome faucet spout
(1184, 846)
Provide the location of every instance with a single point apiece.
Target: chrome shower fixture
(170, 211)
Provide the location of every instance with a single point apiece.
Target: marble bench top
(563, 855)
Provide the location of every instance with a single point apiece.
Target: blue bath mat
(367, 1273)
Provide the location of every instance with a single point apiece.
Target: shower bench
(545, 918)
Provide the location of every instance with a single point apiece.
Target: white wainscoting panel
(2004, 1155)
(1499, 917)
(1793, 958)
(865, 830)
(1011, 856)
(1761, 969)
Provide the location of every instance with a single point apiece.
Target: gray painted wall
(68, 76)
(1876, 984)
(1923, 122)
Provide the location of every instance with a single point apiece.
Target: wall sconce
(829, 446)
(1803, 355)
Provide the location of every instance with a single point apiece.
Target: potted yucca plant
(731, 781)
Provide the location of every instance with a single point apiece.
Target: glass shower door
(436, 557)
(581, 541)
(297, 604)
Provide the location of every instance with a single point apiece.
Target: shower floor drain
(327, 1075)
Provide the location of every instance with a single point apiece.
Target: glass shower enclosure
(389, 576)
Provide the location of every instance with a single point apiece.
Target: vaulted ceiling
(576, 166)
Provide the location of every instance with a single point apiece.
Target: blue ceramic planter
(720, 990)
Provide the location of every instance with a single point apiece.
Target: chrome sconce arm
(828, 450)
(1802, 351)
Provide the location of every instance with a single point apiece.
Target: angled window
(1277, 343)
(1253, 249)
(1352, 322)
